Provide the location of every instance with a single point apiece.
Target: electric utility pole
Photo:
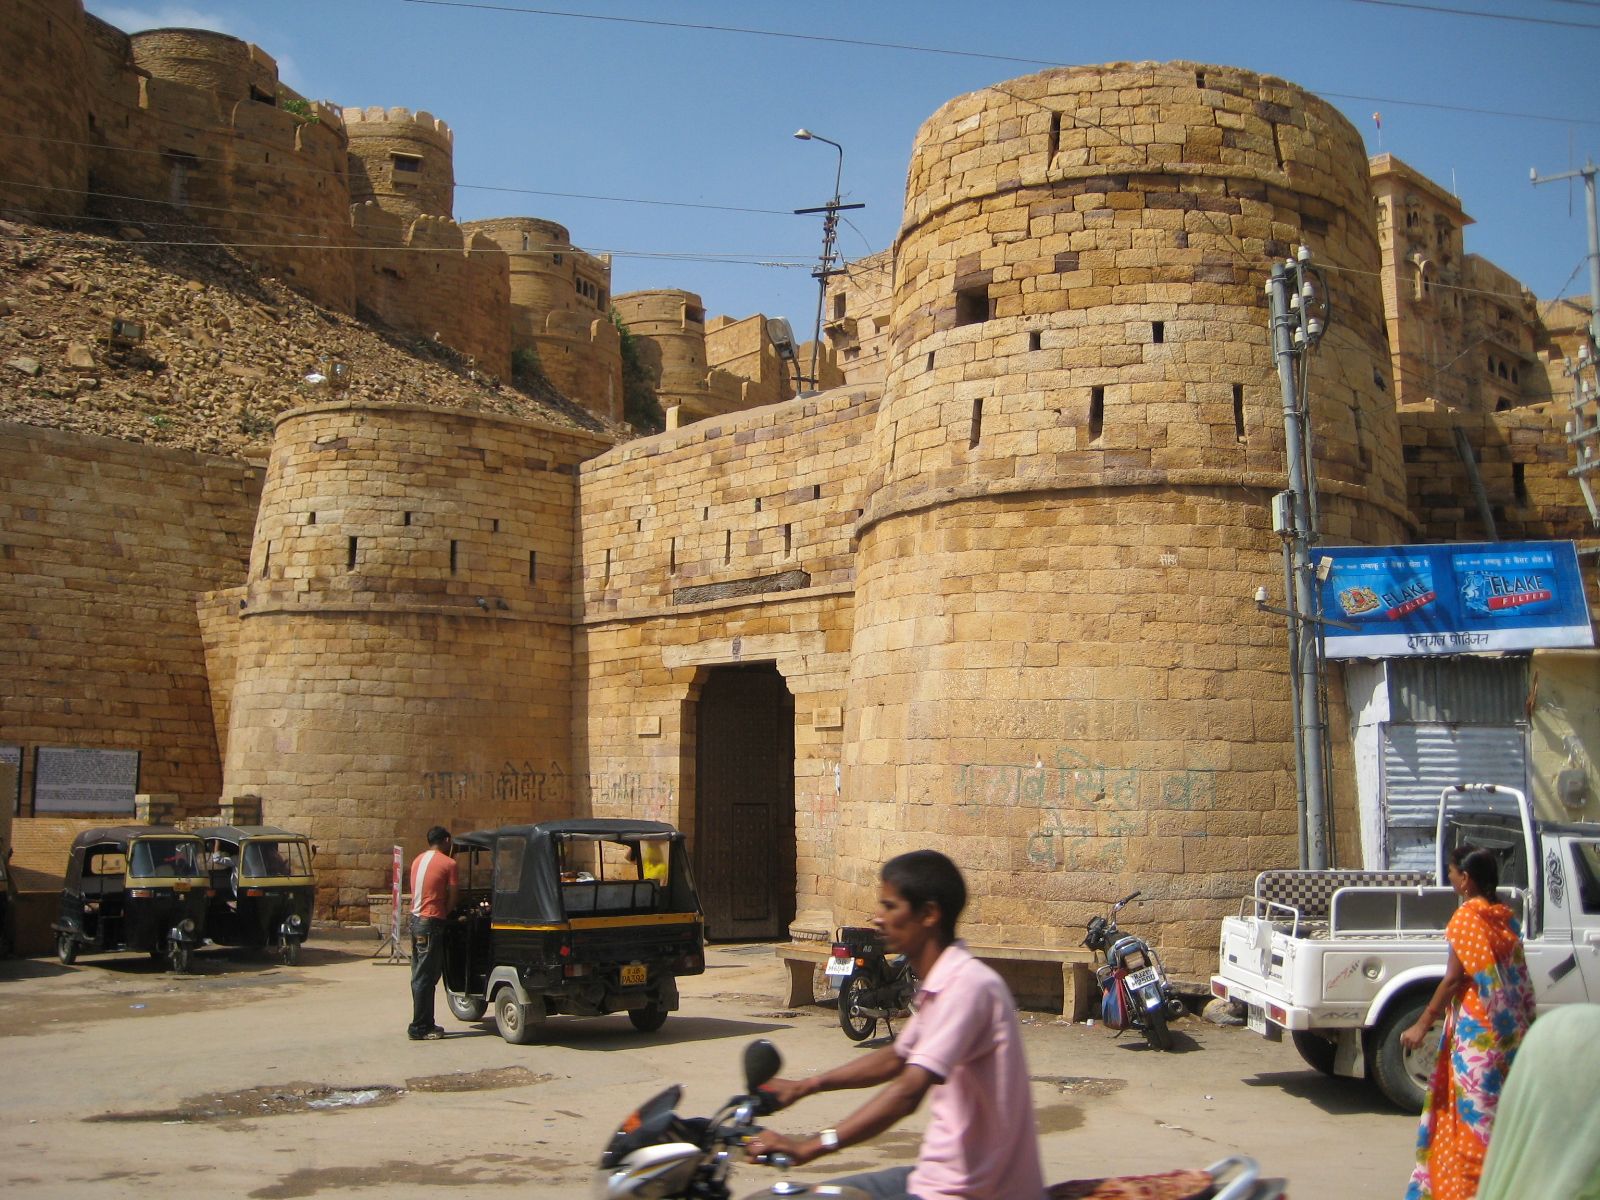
(1293, 291)
(1583, 431)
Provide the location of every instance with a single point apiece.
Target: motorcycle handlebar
(777, 1159)
(1131, 896)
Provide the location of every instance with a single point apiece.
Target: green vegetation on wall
(640, 406)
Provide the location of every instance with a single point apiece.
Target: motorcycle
(657, 1155)
(1133, 983)
(872, 985)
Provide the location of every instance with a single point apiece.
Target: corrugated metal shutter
(1420, 761)
(1464, 690)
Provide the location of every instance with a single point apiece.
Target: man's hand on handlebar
(772, 1148)
(781, 1093)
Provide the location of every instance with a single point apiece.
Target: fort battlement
(377, 121)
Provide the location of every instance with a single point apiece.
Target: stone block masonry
(103, 547)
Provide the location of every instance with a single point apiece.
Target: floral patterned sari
(1481, 1034)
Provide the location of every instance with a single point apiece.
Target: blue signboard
(1453, 599)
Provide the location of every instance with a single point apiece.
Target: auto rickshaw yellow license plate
(634, 976)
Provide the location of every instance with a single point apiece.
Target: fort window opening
(1158, 332)
(533, 566)
(838, 307)
(672, 556)
(972, 306)
(1238, 412)
(261, 97)
(1519, 483)
(727, 546)
(816, 491)
(311, 518)
(1097, 413)
(524, 241)
(758, 503)
(976, 433)
(558, 259)
(929, 367)
(788, 541)
(454, 555)
(494, 525)
(1055, 136)
(1035, 339)
(608, 564)
(407, 519)
(694, 315)
(350, 556)
(411, 163)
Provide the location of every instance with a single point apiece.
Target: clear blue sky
(570, 104)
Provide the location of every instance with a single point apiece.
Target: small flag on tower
(1377, 119)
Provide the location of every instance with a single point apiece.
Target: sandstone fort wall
(725, 542)
(46, 136)
(403, 647)
(560, 307)
(105, 545)
(1079, 438)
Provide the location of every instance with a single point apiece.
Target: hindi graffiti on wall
(76, 780)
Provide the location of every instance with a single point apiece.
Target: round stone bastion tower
(1058, 673)
(402, 650)
(403, 161)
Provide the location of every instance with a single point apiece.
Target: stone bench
(1077, 969)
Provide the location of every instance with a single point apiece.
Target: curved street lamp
(830, 227)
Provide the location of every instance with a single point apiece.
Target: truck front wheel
(1403, 1075)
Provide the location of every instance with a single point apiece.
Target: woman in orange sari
(1488, 1001)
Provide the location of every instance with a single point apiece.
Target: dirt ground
(252, 1079)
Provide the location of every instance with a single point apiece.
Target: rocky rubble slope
(224, 351)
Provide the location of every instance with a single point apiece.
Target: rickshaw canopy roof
(243, 833)
(535, 894)
(119, 836)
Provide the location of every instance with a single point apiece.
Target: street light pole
(830, 233)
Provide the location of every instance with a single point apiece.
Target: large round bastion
(403, 649)
(1058, 674)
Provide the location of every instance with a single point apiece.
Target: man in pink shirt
(433, 896)
(964, 1044)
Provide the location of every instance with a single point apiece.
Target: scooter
(872, 985)
(657, 1155)
(1133, 983)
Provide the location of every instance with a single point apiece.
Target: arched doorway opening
(744, 840)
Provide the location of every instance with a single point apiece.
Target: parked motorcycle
(657, 1155)
(872, 985)
(1133, 983)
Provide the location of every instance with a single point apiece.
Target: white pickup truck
(1346, 960)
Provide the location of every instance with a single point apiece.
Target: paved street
(120, 1080)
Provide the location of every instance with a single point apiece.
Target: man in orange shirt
(433, 898)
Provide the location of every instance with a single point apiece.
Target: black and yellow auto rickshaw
(263, 888)
(134, 887)
(582, 917)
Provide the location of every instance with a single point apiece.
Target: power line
(706, 27)
(484, 187)
(748, 31)
(1472, 12)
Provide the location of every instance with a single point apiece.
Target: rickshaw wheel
(649, 1018)
(514, 1019)
(466, 1008)
(178, 956)
(291, 953)
(66, 949)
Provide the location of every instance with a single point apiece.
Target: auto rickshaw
(582, 917)
(262, 885)
(134, 887)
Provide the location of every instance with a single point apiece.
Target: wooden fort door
(743, 839)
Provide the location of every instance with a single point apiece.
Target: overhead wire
(750, 31)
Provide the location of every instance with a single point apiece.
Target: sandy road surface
(119, 1080)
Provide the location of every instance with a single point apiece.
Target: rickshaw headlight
(186, 925)
(294, 920)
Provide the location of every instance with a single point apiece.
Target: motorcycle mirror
(761, 1062)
